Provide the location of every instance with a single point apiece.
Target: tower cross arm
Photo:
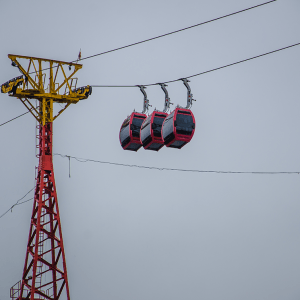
(14, 57)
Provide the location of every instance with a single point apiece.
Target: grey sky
(145, 234)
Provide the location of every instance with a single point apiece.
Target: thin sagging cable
(84, 160)
(176, 31)
(25, 201)
(14, 118)
(15, 205)
(205, 72)
(18, 203)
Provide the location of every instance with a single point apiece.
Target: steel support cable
(176, 31)
(205, 72)
(201, 73)
(170, 81)
(18, 203)
(84, 160)
(166, 34)
(14, 118)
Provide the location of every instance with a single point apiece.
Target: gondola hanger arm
(146, 101)
(167, 98)
(189, 93)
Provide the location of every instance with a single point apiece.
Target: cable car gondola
(130, 131)
(131, 127)
(151, 129)
(179, 127)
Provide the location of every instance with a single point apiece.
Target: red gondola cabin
(151, 131)
(130, 132)
(178, 128)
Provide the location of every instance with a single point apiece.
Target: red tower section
(45, 271)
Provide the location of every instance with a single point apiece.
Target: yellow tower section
(32, 85)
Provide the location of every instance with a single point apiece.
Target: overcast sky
(137, 234)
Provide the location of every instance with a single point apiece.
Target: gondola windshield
(184, 124)
(136, 126)
(156, 126)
